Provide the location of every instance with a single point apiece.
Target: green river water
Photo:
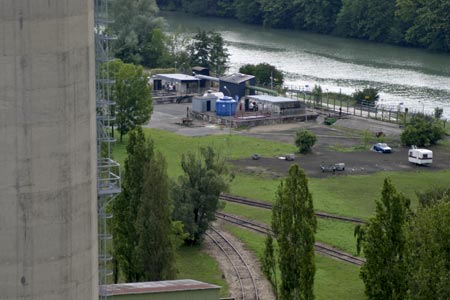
(417, 78)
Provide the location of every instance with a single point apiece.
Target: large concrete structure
(48, 212)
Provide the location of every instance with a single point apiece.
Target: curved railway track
(254, 203)
(319, 247)
(244, 275)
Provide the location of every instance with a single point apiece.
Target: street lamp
(225, 87)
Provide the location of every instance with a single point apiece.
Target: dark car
(381, 147)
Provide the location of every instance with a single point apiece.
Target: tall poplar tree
(429, 252)
(126, 206)
(294, 225)
(383, 241)
(157, 242)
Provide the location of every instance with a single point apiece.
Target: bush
(368, 96)
(264, 73)
(330, 121)
(422, 131)
(304, 140)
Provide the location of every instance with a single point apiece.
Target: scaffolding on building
(108, 171)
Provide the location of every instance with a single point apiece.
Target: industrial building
(179, 83)
(237, 85)
(277, 105)
(185, 289)
(48, 216)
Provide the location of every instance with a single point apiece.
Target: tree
(432, 197)
(138, 31)
(427, 23)
(248, 11)
(208, 50)
(429, 252)
(264, 73)
(126, 205)
(317, 94)
(196, 195)
(157, 243)
(368, 96)
(383, 241)
(317, 15)
(422, 130)
(372, 20)
(304, 140)
(132, 94)
(294, 225)
(269, 263)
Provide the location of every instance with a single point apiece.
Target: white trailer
(420, 156)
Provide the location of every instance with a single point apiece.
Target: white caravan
(420, 156)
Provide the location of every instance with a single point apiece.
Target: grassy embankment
(333, 280)
(344, 195)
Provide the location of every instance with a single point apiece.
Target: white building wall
(48, 221)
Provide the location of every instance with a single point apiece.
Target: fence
(336, 105)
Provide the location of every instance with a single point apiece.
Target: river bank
(417, 78)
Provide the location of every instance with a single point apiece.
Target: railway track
(319, 247)
(244, 275)
(254, 203)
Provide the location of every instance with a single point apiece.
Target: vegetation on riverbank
(403, 22)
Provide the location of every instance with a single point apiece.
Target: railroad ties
(243, 274)
(254, 203)
(321, 248)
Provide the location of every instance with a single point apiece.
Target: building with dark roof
(235, 85)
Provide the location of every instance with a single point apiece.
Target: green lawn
(334, 233)
(352, 196)
(333, 280)
(192, 263)
(344, 195)
(172, 146)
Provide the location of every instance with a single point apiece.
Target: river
(417, 78)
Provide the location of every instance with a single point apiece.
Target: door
(208, 105)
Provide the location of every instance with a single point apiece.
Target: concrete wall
(48, 223)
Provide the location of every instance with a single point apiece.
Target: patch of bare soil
(263, 285)
(359, 162)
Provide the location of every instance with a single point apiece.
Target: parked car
(290, 157)
(332, 168)
(381, 147)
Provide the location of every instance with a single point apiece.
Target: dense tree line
(405, 22)
(407, 252)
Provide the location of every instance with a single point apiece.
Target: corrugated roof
(155, 287)
(236, 78)
(176, 77)
(272, 99)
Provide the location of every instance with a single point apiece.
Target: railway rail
(254, 203)
(319, 247)
(247, 283)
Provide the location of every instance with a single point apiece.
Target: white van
(420, 156)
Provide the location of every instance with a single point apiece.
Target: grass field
(333, 280)
(196, 264)
(172, 146)
(344, 195)
(334, 233)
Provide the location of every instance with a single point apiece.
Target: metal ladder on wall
(108, 171)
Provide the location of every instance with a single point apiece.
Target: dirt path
(264, 287)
